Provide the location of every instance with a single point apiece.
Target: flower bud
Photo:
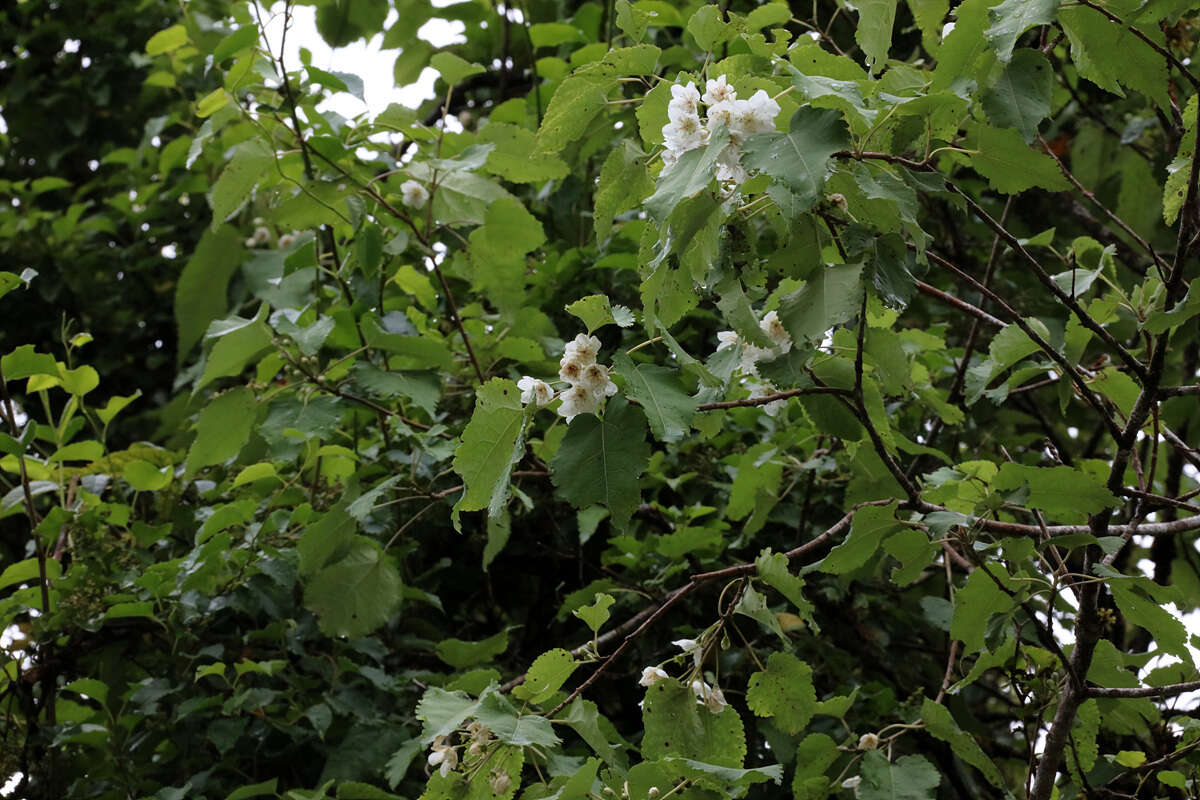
(868, 741)
(499, 781)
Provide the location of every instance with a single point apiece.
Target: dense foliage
(700, 400)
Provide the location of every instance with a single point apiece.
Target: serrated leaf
(815, 753)
(596, 614)
(679, 727)
(784, 692)
(669, 409)
(601, 460)
(510, 726)
(222, 428)
(941, 725)
(1010, 166)
(874, 30)
(354, 596)
(974, 603)
(514, 158)
(548, 672)
(1012, 18)
(596, 311)
(251, 161)
(1057, 490)
(1168, 631)
(907, 778)
(1020, 97)
(870, 527)
(462, 654)
(166, 40)
(799, 159)
(831, 296)
(452, 68)
(491, 445)
(687, 177)
(772, 568)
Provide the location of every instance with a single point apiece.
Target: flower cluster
(444, 755)
(711, 697)
(781, 343)
(588, 382)
(743, 118)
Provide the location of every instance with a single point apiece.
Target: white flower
(772, 326)
(731, 173)
(868, 741)
(727, 339)
(751, 355)
(852, 783)
(533, 389)
(652, 675)
(686, 645)
(718, 91)
(262, 235)
(722, 113)
(571, 370)
(764, 111)
(582, 348)
(684, 133)
(414, 194)
(595, 379)
(711, 696)
(250, 242)
(715, 701)
(499, 781)
(762, 390)
(287, 240)
(685, 101)
(443, 756)
(578, 400)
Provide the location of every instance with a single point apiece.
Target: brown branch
(1172, 528)
(962, 305)
(649, 615)
(1084, 390)
(1168, 690)
(770, 398)
(1120, 223)
(1178, 391)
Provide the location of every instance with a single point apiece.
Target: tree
(738, 400)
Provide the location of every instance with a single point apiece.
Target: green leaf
(201, 294)
(596, 311)
(1010, 166)
(601, 460)
(254, 790)
(784, 692)
(707, 27)
(166, 40)
(241, 39)
(596, 614)
(462, 654)
(831, 296)
(28, 570)
(913, 549)
(546, 675)
(1130, 758)
(871, 525)
(624, 184)
(941, 725)
(908, 778)
(354, 596)
(491, 445)
(499, 529)
(1012, 18)
(668, 408)
(874, 30)
(236, 348)
(772, 568)
(679, 727)
(223, 427)
(815, 753)
(211, 103)
(689, 176)
(512, 727)
(1168, 631)
(1094, 38)
(974, 603)
(509, 232)
(1057, 490)
(452, 68)
(250, 162)
(514, 158)
(799, 159)
(1020, 97)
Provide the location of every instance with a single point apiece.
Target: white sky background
(364, 59)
